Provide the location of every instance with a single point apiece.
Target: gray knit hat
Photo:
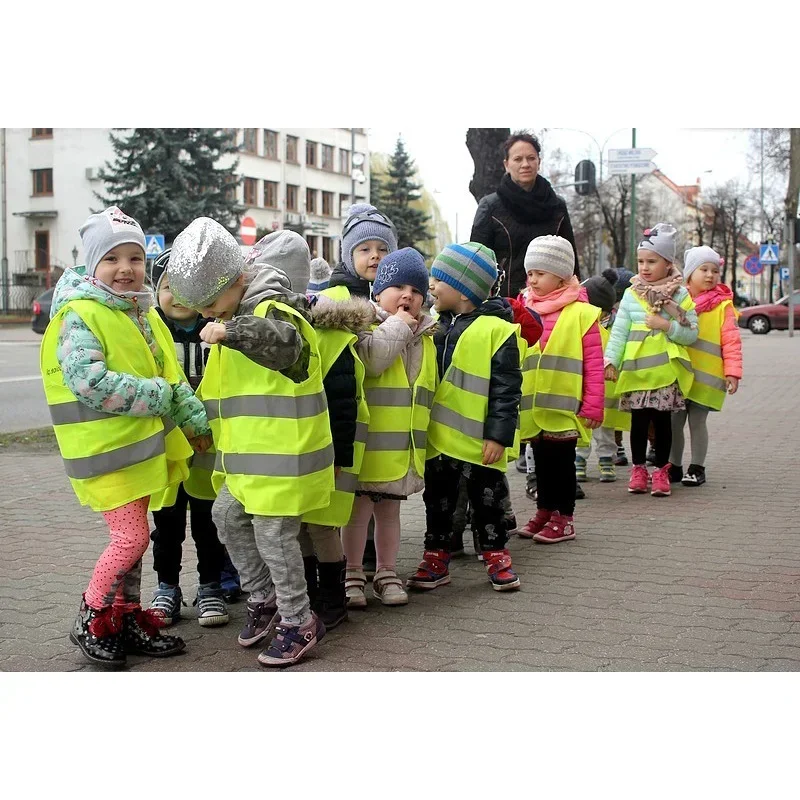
(661, 239)
(205, 260)
(552, 254)
(104, 231)
(365, 222)
(286, 250)
(695, 256)
(320, 275)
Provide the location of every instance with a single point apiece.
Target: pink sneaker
(661, 487)
(534, 524)
(558, 529)
(639, 479)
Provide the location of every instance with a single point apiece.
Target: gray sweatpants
(265, 552)
(605, 444)
(698, 429)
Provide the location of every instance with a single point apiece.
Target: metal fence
(16, 299)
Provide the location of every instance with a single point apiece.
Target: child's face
(171, 307)
(447, 297)
(407, 297)
(122, 268)
(705, 277)
(652, 266)
(367, 256)
(224, 305)
(543, 283)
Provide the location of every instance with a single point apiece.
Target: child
(319, 277)
(646, 354)
(623, 281)
(263, 391)
(600, 292)
(399, 359)
(474, 414)
(185, 325)
(716, 360)
(122, 414)
(568, 396)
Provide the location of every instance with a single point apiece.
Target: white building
(294, 177)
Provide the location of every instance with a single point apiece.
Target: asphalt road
(22, 403)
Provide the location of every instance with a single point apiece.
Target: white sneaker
(388, 588)
(354, 583)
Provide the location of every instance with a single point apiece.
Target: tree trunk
(484, 146)
(793, 188)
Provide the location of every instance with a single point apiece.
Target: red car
(762, 319)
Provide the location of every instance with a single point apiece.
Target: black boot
(310, 567)
(99, 636)
(141, 636)
(332, 601)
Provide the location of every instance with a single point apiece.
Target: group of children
(289, 415)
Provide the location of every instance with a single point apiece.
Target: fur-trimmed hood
(353, 315)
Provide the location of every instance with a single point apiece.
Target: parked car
(763, 318)
(41, 311)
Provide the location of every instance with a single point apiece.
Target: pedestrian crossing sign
(154, 245)
(769, 254)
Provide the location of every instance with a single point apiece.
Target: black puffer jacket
(192, 353)
(505, 384)
(507, 221)
(358, 286)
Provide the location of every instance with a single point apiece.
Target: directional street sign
(752, 266)
(769, 254)
(154, 245)
(630, 167)
(631, 154)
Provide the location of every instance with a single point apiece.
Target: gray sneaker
(259, 622)
(166, 602)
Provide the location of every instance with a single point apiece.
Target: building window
(270, 194)
(327, 157)
(327, 249)
(250, 192)
(344, 162)
(312, 245)
(311, 153)
(327, 204)
(344, 204)
(251, 140)
(41, 133)
(291, 197)
(42, 182)
(291, 149)
(41, 243)
(311, 201)
(270, 144)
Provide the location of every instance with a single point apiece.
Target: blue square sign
(154, 244)
(769, 254)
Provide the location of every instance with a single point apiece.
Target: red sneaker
(498, 565)
(535, 524)
(661, 487)
(433, 571)
(639, 479)
(558, 529)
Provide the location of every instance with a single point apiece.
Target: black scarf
(541, 204)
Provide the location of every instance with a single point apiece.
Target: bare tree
(484, 145)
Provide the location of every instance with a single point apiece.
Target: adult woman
(524, 207)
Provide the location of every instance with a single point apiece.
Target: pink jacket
(731, 339)
(593, 400)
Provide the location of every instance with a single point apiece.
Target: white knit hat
(551, 254)
(695, 256)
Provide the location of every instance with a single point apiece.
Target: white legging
(698, 429)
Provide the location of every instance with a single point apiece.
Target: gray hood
(286, 250)
(270, 283)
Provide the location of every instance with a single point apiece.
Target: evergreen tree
(377, 192)
(166, 177)
(399, 191)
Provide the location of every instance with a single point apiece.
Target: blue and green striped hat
(469, 268)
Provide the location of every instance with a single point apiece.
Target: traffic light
(585, 182)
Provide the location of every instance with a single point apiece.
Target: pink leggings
(387, 532)
(117, 577)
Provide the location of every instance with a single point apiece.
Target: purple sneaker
(259, 622)
(292, 643)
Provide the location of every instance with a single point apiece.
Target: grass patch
(40, 439)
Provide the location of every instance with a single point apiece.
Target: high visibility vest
(399, 417)
(709, 387)
(613, 418)
(337, 293)
(513, 452)
(114, 459)
(201, 469)
(651, 360)
(462, 399)
(558, 390)
(332, 344)
(529, 361)
(272, 435)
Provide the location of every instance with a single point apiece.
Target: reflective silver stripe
(424, 397)
(557, 402)
(389, 440)
(638, 336)
(710, 380)
(562, 364)
(274, 465)
(384, 396)
(261, 405)
(707, 347)
(127, 456)
(611, 402)
(67, 413)
(460, 424)
(168, 423)
(645, 362)
(347, 482)
(203, 461)
(531, 361)
(468, 382)
(420, 438)
(526, 403)
(361, 432)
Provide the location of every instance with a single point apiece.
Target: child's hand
(733, 384)
(337, 471)
(492, 452)
(404, 316)
(611, 373)
(213, 333)
(656, 322)
(591, 424)
(200, 443)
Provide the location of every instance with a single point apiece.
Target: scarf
(709, 300)
(658, 294)
(540, 204)
(557, 299)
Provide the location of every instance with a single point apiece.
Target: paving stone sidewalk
(708, 579)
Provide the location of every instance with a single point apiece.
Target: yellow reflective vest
(337, 293)
(114, 459)
(613, 418)
(709, 387)
(461, 402)
(652, 360)
(272, 435)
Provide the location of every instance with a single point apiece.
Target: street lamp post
(74, 256)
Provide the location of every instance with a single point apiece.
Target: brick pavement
(706, 580)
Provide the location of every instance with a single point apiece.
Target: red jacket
(529, 321)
